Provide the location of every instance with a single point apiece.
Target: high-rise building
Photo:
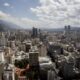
(3, 40)
(1, 71)
(67, 28)
(33, 58)
(68, 32)
(34, 65)
(42, 50)
(34, 32)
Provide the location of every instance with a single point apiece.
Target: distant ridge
(61, 29)
(5, 25)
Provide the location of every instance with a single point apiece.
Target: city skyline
(41, 13)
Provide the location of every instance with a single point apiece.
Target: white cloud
(24, 22)
(50, 13)
(58, 12)
(6, 4)
(3, 15)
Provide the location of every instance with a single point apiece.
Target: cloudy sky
(41, 13)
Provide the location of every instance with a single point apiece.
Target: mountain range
(5, 25)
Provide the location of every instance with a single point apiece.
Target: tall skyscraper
(34, 32)
(68, 32)
(33, 58)
(3, 40)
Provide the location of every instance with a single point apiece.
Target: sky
(41, 13)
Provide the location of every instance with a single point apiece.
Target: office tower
(42, 50)
(33, 58)
(67, 28)
(8, 72)
(34, 32)
(34, 65)
(68, 32)
(2, 57)
(25, 46)
(1, 70)
(1, 64)
(3, 40)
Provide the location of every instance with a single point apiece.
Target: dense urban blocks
(40, 55)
